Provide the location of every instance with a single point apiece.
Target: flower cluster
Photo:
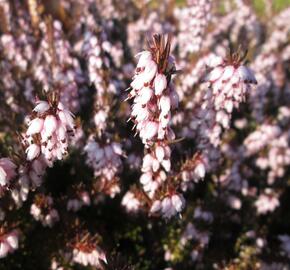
(230, 81)
(168, 206)
(130, 202)
(154, 95)
(154, 168)
(49, 130)
(267, 202)
(88, 257)
(86, 252)
(42, 210)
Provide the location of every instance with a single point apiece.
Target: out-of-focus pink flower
(130, 202)
(7, 171)
(169, 205)
(8, 243)
(267, 202)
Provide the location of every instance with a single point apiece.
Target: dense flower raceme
(277, 159)
(29, 175)
(154, 96)
(93, 49)
(49, 130)
(45, 57)
(154, 100)
(46, 139)
(17, 180)
(230, 81)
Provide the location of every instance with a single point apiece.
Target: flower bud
(35, 126)
(50, 125)
(160, 84)
(32, 151)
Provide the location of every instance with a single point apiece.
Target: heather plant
(144, 134)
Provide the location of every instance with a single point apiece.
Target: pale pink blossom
(32, 151)
(35, 126)
(8, 243)
(130, 202)
(7, 171)
(41, 107)
(55, 125)
(168, 206)
(160, 84)
(86, 257)
(267, 202)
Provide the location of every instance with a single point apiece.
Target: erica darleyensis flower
(230, 81)
(49, 130)
(154, 95)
